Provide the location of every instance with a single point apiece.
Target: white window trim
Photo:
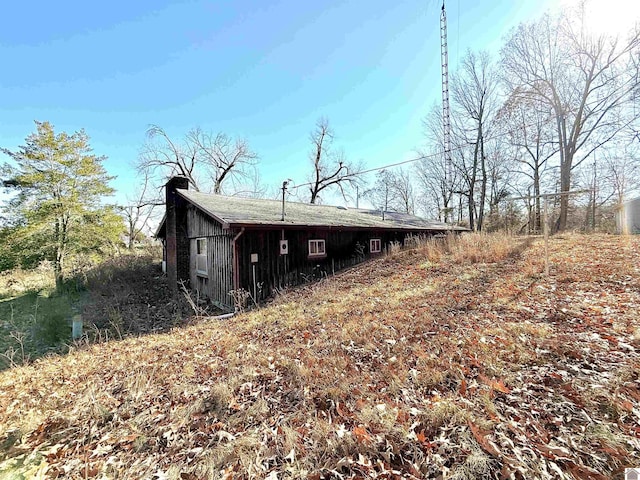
(372, 242)
(199, 256)
(318, 242)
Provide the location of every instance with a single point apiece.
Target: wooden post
(254, 260)
(76, 327)
(255, 288)
(546, 235)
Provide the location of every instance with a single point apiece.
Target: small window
(316, 248)
(375, 245)
(201, 257)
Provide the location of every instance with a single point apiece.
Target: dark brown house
(219, 244)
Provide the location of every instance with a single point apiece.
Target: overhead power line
(439, 153)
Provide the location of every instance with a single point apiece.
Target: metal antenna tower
(446, 116)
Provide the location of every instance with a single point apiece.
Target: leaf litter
(428, 363)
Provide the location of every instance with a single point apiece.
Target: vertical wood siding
(274, 271)
(219, 280)
(201, 225)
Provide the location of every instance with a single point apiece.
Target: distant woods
(557, 111)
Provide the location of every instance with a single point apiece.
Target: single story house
(219, 244)
(628, 217)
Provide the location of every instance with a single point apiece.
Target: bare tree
(162, 155)
(330, 169)
(431, 187)
(500, 181)
(380, 193)
(586, 80)
(620, 173)
(251, 185)
(436, 179)
(474, 94)
(403, 191)
(209, 161)
(392, 191)
(137, 213)
(527, 123)
(224, 158)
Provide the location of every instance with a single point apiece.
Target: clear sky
(262, 70)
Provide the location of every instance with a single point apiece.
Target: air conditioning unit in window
(284, 247)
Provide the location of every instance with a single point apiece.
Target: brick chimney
(176, 232)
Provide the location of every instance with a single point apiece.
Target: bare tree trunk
(536, 192)
(57, 270)
(472, 191)
(58, 261)
(566, 159)
(483, 183)
(330, 169)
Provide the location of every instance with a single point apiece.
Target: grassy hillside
(457, 361)
(122, 296)
(33, 320)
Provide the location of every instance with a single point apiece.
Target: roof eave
(289, 226)
(161, 226)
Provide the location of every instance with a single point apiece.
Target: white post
(76, 327)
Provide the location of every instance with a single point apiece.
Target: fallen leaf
(486, 445)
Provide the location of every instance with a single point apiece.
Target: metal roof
(247, 212)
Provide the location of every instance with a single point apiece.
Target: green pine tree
(57, 210)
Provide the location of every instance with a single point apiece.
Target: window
(201, 257)
(375, 245)
(316, 248)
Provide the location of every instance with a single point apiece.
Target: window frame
(371, 245)
(317, 242)
(200, 254)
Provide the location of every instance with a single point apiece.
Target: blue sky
(265, 71)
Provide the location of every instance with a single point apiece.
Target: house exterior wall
(628, 217)
(218, 281)
(183, 252)
(273, 271)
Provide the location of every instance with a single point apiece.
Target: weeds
(123, 296)
(34, 325)
(241, 299)
(480, 375)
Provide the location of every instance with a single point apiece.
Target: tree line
(557, 110)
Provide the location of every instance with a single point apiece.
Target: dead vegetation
(455, 359)
(128, 295)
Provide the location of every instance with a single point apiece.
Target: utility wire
(416, 159)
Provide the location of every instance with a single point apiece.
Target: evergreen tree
(57, 211)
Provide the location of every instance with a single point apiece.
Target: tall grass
(468, 248)
(32, 325)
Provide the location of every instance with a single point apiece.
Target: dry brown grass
(455, 359)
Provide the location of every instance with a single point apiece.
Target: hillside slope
(457, 362)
